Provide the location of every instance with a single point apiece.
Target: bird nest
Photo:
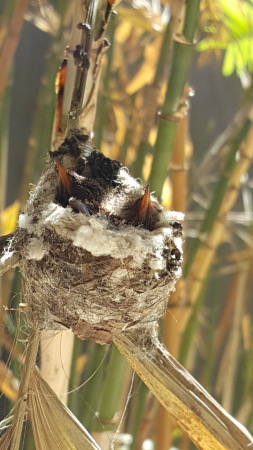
(98, 253)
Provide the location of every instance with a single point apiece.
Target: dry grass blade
(54, 425)
(205, 421)
(5, 439)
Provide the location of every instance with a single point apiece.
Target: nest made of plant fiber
(99, 254)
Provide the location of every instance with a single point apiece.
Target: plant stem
(82, 62)
(170, 114)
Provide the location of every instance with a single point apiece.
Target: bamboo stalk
(111, 398)
(136, 416)
(171, 114)
(230, 359)
(172, 334)
(56, 355)
(9, 45)
(91, 391)
(204, 420)
(219, 193)
(112, 387)
(152, 102)
(215, 225)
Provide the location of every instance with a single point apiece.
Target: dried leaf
(207, 424)
(54, 425)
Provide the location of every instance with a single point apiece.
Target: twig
(82, 61)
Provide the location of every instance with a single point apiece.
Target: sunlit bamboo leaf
(229, 61)
(8, 218)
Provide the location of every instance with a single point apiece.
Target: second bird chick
(142, 212)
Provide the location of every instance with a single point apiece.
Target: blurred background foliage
(205, 173)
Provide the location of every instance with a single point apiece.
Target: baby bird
(142, 212)
(82, 194)
(85, 195)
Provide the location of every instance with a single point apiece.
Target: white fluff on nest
(96, 235)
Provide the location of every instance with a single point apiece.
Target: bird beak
(145, 203)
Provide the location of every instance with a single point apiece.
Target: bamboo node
(178, 167)
(181, 39)
(244, 155)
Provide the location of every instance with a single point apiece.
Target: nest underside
(96, 297)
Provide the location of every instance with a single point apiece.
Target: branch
(83, 72)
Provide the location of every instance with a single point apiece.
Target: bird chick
(142, 212)
(82, 194)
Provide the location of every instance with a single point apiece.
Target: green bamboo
(214, 309)
(191, 327)
(74, 379)
(218, 195)
(162, 62)
(137, 412)
(111, 391)
(91, 391)
(138, 164)
(167, 125)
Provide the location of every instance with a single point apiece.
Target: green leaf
(229, 62)
(207, 44)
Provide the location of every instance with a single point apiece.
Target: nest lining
(96, 235)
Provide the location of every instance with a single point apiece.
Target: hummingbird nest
(98, 254)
